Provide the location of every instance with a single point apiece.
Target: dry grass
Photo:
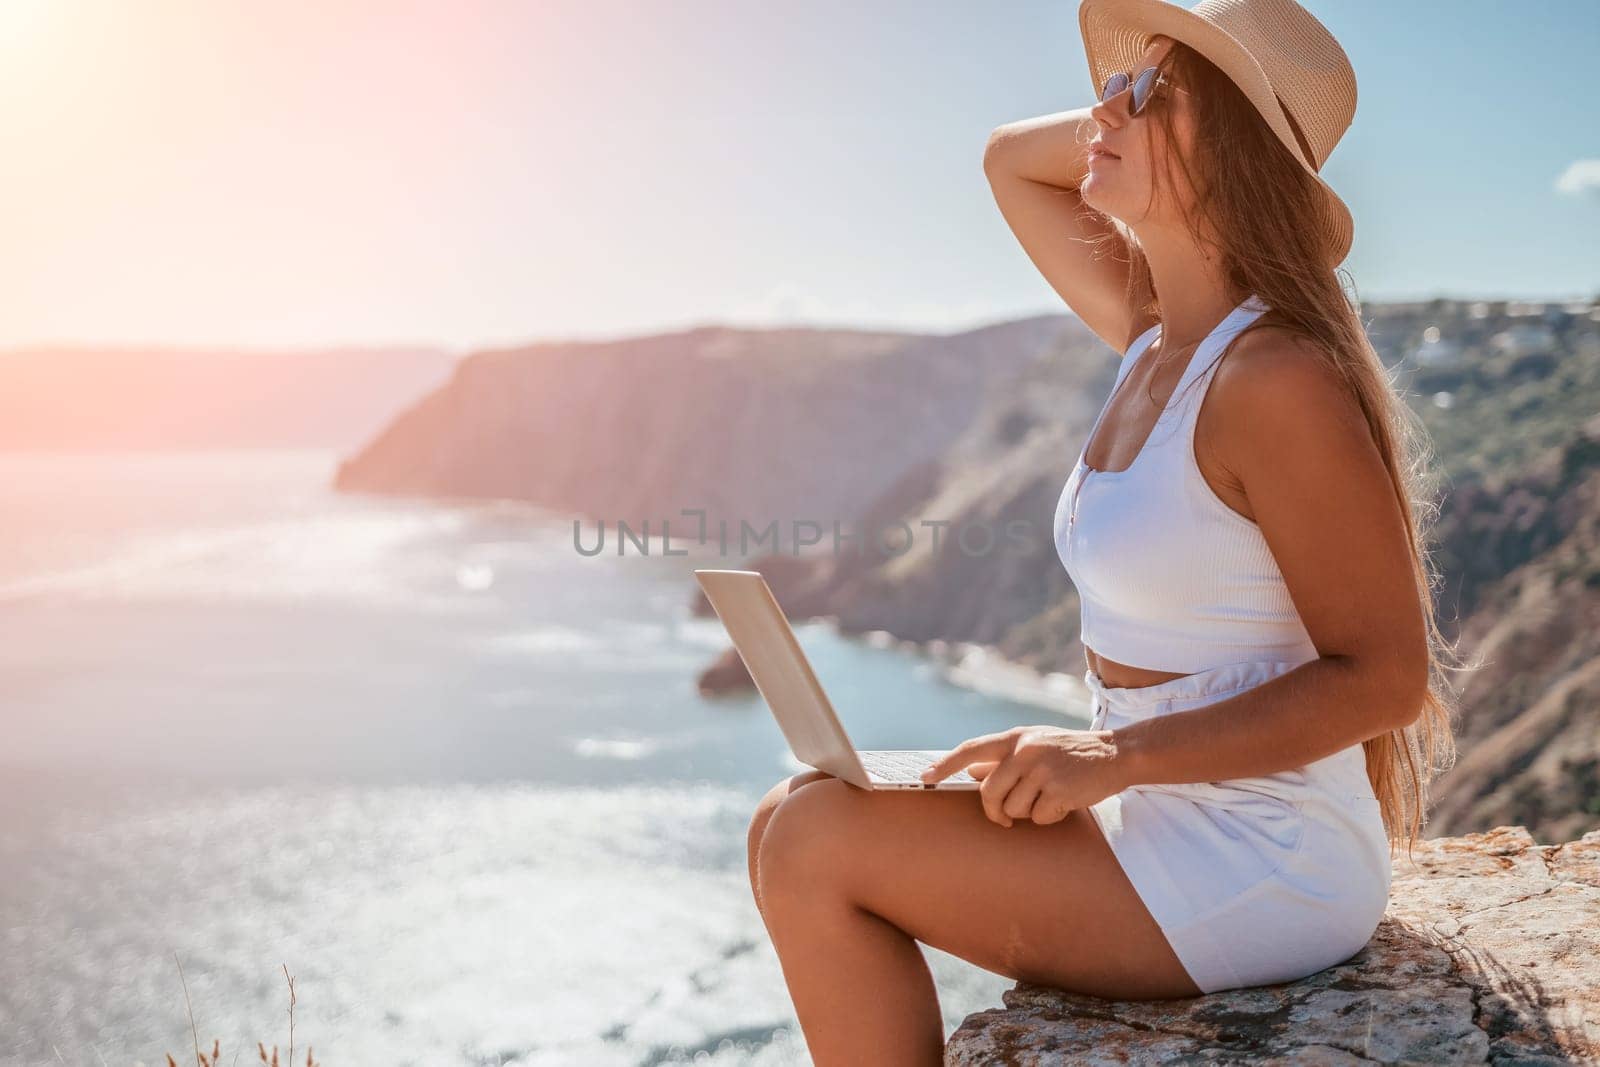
(215, 1057)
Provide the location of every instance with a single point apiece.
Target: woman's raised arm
(1035, 167)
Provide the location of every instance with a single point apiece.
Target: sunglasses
(1143, 87)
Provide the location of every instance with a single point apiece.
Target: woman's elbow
(1404, 688)
(994, 149)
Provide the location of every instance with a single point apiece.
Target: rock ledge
(1489, 953)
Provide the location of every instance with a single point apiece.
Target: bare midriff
(1121, 676)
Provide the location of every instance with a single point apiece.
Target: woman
(1257, 618)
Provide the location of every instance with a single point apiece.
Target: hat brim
(1116, 34)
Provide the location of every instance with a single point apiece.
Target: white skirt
(1253, 880)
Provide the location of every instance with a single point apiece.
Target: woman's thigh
(1048, 904)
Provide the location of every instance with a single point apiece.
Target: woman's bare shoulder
(1274, 369)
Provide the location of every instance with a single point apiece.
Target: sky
(467, 174)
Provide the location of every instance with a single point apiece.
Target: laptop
(771, 652)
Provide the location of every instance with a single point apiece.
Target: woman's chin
(1092, 190)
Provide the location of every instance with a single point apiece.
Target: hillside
(755, 426)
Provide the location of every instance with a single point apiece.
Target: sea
(426, 759)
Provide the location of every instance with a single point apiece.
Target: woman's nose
(1112, 113)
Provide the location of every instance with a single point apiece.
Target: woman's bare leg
(763, 815)
(850, 880)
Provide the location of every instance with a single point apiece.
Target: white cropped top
(1169, 577)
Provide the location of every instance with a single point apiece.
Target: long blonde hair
(1262, 210)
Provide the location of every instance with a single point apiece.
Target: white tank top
(1169, 577)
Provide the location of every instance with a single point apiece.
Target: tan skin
(1020, 880)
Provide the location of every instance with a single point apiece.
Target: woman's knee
(768, 806)
(802, 846)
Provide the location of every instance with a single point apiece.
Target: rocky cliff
(1490, 953)
(1007, 467)
(755, 426)
(1523, 554)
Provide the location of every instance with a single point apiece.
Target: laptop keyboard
(905, 765)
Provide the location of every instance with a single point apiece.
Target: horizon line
(687, 326)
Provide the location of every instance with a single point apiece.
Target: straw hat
(1283, 59)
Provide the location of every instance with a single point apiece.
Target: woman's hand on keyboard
(1036, 772)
